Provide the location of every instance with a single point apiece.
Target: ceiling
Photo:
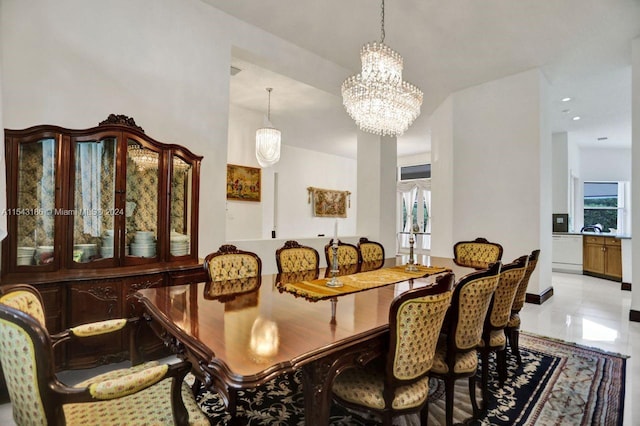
(583, 48)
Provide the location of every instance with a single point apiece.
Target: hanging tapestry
(329, 203)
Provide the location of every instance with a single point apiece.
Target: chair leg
(485, 377)
(448, 388)
(424, 414)
(472, 396)
(501, 358)
(514, 337)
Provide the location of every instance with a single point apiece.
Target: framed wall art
(243, 183)
(328, 202)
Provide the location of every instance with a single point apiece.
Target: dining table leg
(317, 379)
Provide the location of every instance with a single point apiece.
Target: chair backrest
(511, 275)
(469, 306)
(370, 251)
(415, 321)
(25, 298)
(229, 263)
(347, 254)
(293, 257)
(27, 363)
(521, 293)
(479, 253)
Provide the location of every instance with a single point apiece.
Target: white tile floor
(584, 310)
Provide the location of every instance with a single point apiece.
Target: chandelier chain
(269, 89)
(382, 22)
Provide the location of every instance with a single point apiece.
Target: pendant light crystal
(268, 141)
(377, 98)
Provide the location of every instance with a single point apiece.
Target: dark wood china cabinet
(93, 216)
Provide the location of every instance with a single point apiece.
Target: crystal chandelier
(142, 157)
(268, 141)
(377, 98)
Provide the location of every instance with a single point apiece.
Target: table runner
(317, 289)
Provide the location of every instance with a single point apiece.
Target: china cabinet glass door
(35, 210)
(141, 205)
(180, 205)
(94, 201)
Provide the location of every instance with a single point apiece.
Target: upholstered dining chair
(478, 254)
(229, 263)
(347, 254)
(398, 383)
(370, 251)
(493, 335)
(513, 326)
(456, 355)
(293, 257)
(151, 392)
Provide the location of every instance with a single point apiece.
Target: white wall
(611, 164)
(413, 160)
(635, 185)
(297, 170)
(560, 177)
(496, 140)
(163, 62)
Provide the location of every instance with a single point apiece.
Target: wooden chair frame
(229, 249)
(450, 328)
(477, 265)
(291, 244)
(443, 284)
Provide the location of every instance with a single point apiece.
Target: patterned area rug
(558, 383)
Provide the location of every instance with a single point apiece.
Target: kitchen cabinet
(93, 216)
(602, 257)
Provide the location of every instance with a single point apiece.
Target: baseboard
(604, 277)
(634, 315)
(625, 286)
(539, 299)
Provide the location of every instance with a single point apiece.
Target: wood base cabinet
(602, 257)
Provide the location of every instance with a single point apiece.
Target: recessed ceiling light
(576, 118)
(567, 99)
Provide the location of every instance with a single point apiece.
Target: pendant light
(377, 98)
(268, 141)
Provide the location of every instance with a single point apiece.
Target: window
(604, 204)
(420, 171)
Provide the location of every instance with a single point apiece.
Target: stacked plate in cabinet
(106, 250)
(143, 245)
(179, 244)
(25, 255)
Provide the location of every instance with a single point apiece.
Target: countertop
(597, 234)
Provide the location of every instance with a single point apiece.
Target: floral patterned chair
(493, 335)
(398, 383)
(293, 257)
(149, 393)
(229, 263)
(456, 356)
(478, 254)
(348, 254)
(513, 326)
(370, 251)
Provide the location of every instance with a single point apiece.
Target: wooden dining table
(243, 338)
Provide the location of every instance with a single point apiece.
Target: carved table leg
(317, 378)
